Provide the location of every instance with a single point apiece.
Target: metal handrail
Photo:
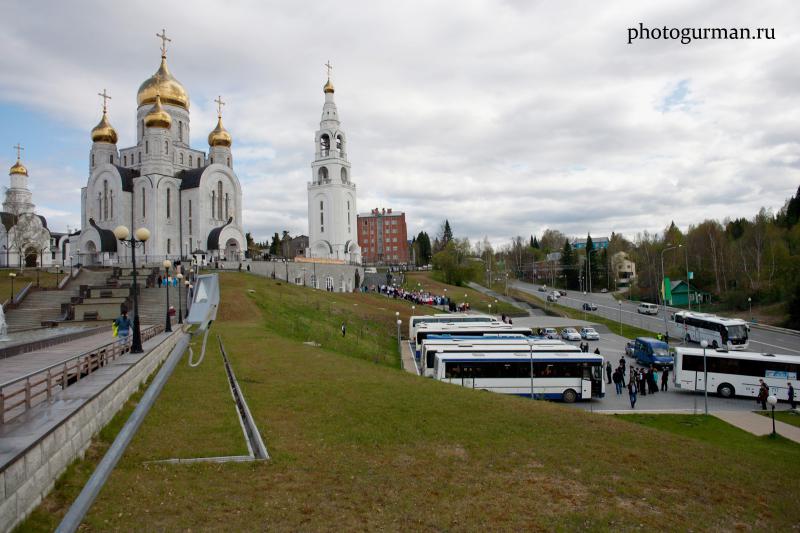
(76, 366)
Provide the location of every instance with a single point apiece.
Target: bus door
(586, 383)
(467, 379)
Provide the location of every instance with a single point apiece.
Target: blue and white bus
(465, 330)
(442, 318)
(431, 347)
(547, 375)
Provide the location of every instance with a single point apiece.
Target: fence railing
(20, 394)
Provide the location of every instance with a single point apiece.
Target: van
(649, 351)
(647, 308)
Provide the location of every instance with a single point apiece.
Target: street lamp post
(584, 305)
(168, 324)
(490, 309)
(704, 345)
(180, 302)
(12, 275)
(750, 305)
(620, 317)
(772, 400)
(399, 345)
(138, 238)
(664, 288)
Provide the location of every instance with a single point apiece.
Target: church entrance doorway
(91, 253)
(232, 250)
(31, 257)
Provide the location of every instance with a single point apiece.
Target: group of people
(417, 297)
(763, 394)
(584, 346)
(639, 380)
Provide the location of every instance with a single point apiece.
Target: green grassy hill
(358, 444)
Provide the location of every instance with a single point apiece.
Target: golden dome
(219, 136)
(157, 117)
(104, 132)
(328, 86)
(18, 168)
(164, 84)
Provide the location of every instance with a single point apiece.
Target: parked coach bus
(489, 345)
(550, 375)
(735, 373)
(466, 330)
(720, 332)
(455, 318)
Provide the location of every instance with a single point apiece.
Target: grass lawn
(790, 417)
(477, 300)
(357, 445)
(47, 279)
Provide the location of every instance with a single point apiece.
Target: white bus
(455, 318)
(735, 373)
(466, 330)
(720, 332)
(547, 375)
(431, 347)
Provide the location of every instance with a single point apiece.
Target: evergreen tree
(275, 245)
(792, 211)
(447, 233)
(535, 243)
(592, 267)
(568, 266)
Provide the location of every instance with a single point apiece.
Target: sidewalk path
(409, 365)
(758, 425)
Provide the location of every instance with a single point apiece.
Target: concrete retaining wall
(342, 277)
(30, 478)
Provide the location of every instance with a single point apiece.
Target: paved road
(760, 340)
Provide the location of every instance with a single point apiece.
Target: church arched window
(339, 142)
(147, 147)
(111, 159)
(229, 162)
(111, 207)
(142, 130)
(144, 212)
(140, 157)
(322, 174)
(219, 198)
(190, 159)
(226, 206)
(105, 199)
(199, 161)
(213, 204)
(92, 160)
(181, 158)
(166, 147)
(169, 202)
(125, 160)
(344, 175)
(324, 144)
(180, 131)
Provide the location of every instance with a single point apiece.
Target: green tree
(447, 233)
(592, 269)
(275, 245)
(569, 264)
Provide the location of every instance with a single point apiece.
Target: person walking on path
(790, 396)
(653, 375)
(622, 363)
(632, 390)
(642, 381)
(617, 378)
(664, 378)
(123, 324)
(608, 372)
(763, 392)
(344, 330)
(597, 350)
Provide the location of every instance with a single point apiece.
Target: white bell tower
(332, 232)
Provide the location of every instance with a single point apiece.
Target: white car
(590, 334)
(550, 333)
(647, 309)
(570, 334)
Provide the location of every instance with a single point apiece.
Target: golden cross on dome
(329, 67)
(106, 98)
(164, 41)
(220, 103)
(18, 148)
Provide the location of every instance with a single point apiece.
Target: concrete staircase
(41, 306)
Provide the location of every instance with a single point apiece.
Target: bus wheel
(726, 390)
(570, 396)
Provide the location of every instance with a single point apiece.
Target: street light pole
(168, 323)
(620, 318)
(138, 238)
(750, 306)
(772, 400)
(704, 345)
(180, 302)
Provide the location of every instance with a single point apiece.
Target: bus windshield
(737, 332)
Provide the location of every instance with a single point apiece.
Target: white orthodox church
(24, 237)
(332, 231)
(190, 200)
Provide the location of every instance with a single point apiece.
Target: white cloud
(505, 117)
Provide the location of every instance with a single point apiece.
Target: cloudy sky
(507, 118)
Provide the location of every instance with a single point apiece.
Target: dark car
(562, 292)
(589, 306)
